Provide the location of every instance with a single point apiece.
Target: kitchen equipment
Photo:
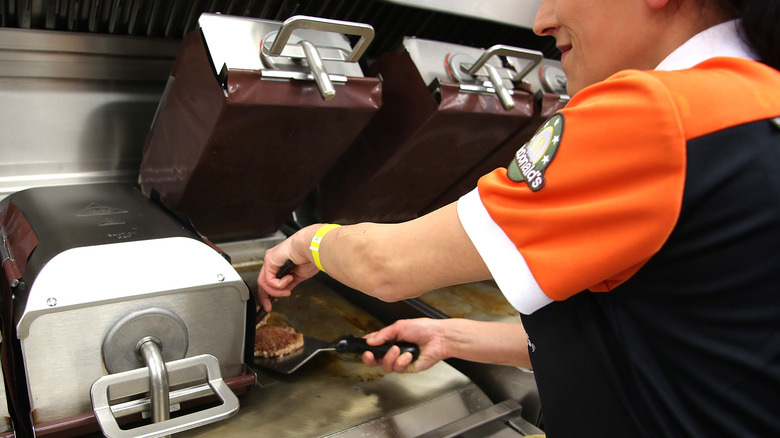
(444, 108)
(548, 83)
(289, 363)
(254, 114)
(106, 297)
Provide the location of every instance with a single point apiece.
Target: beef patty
(276, 340)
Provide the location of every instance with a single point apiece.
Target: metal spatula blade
(289, 363)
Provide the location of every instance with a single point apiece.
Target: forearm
(487, 342)
(398, 261)
(499, 343)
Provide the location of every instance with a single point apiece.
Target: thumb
(382, 336)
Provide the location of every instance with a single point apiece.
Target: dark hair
(760, 26)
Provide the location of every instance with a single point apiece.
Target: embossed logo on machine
(95, 209)
(109, 219)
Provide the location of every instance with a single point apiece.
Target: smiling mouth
(564, 50)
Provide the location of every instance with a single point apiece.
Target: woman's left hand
(424, 332)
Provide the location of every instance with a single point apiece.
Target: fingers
(268, 284)
(264, 301)
(395, 362)
(379, 338)
(392, 362)
(424, 332)
(279, 262)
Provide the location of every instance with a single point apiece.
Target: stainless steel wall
(468, 22)
(75, 108)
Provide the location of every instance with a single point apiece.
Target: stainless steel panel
(97, 45)
(58, 132)
(479, 24)
(76, 109)
(136, 16)
(514, 12)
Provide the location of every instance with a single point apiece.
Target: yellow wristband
(317, 239)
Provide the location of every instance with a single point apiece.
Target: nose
(545, 22)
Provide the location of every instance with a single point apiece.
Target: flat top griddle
(338, 395)
(482, 301)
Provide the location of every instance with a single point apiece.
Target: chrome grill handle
(139, 379)
(149, 350)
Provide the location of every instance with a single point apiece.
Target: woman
(636, 233)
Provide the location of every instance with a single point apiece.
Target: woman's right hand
(270, 283)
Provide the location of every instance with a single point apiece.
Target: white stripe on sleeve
(502, 258)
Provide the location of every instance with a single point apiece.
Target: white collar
(720, 40)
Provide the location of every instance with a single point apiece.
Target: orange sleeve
(612, 191)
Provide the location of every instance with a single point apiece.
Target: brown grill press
(444, 108)
(254, 113)
(550, 97)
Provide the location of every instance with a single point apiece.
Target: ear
(656, 4)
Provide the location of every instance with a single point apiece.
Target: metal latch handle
(498, 84)
(501, 50)
(140, 377)
(534, 56)
(365, 31)
(327, 91)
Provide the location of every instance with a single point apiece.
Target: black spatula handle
(352, 344)
(286, 269)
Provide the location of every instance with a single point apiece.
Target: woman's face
(598, 38)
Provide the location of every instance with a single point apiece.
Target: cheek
(579, 72)
(586, 65)
(574, 84)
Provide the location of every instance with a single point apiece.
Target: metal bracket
(303, 49)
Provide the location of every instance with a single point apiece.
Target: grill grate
(173, 18)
